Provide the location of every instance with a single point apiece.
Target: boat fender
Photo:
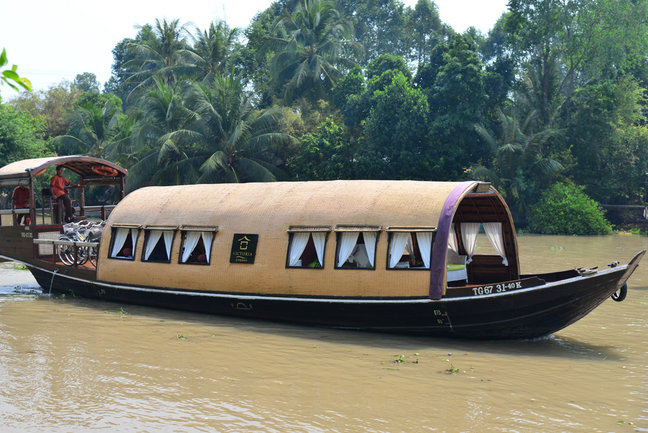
(620, 294)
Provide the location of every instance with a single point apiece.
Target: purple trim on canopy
(440, 248)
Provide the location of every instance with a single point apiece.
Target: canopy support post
(32, 204)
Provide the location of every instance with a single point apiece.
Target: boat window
(306, 250)
(409, 250)
(157, 246)
(196, 247)
(356, 250)
(123, 244)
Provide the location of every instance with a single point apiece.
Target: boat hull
(526, 313)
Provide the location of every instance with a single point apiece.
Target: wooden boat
(396, 256)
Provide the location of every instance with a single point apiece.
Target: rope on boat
(52, 281)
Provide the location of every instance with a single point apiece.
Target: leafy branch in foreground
(10, 76)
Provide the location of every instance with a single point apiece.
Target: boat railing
(101, 212)
(71, 253)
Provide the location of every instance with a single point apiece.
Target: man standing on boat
(58, 184)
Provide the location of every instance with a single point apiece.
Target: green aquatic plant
(180, 336)
(401, 360)
(622, 422)
(452, 369)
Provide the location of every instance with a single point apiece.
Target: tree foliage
(565, 209)
(335, 89)
(51, 105)
(21, 136)
(324, 155)
(308, 61)
(10, 76)
(94, 125)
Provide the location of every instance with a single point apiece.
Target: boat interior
(482, 246)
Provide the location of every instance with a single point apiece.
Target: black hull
(526, 313)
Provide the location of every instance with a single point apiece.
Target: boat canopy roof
(278, 205)
(92, 170)
(274, 208)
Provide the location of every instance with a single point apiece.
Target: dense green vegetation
(340, 89)
(564, 209)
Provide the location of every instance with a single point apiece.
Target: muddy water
(74, 365)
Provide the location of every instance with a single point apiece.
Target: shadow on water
(548, 346)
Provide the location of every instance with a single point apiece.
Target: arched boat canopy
(92, 170)
(276, 205)
(271, 209)
(446, 216)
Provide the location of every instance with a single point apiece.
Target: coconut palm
(202, 134)
(155, 145)
(94, 126)
(317, 43)
(520, 159)
(233, 142)
(156, 53)
(212, 52)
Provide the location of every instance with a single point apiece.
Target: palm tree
(155, 144)
(212, 52)
(233, 142)
(157, 53)
(318, 41)
(202, 134)
(520, 161)
(94, 126)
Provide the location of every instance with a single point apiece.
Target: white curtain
(191, 240)
(370, 246)
(134, 234)
(494, 233)
(319, 239)
(168, 240)
(118, 243)
(347, 242)
(398, 243)
(424, 240)
(154, 237)
(299, 241)
(207, 238)
(452, 239)
(469, 233)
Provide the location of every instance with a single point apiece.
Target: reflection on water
(81, 365)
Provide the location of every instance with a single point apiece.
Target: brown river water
(76, 365)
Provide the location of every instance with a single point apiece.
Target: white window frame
(351, 233)
(206, 233)
(165, 234)
(303, 234)
(133, 230)
(398, 231)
